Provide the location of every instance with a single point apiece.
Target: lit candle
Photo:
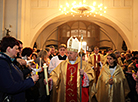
(46, 78)
(36, 69)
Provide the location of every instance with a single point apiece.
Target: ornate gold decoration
(70, 43)
(70, 49)
(83, 8)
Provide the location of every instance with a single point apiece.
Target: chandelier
(83, 9)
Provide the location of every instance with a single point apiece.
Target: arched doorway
(106, 26)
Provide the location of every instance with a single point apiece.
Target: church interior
(40, 48)
(42, 23)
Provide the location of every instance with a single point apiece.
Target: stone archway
(52, 24)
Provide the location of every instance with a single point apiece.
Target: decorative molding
(57, 3)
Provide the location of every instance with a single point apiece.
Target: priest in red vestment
(96, 60)
(66, 77)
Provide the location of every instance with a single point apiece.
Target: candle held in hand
(46, 78)
(36, 68)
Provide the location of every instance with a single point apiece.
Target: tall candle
(36, 69)
(46, 78)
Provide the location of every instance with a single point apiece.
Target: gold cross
(71, 77)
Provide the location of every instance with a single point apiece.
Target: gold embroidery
(71, 94)
(71, 49)
(72, 72)
(71, 77)
(69, 89)
(72, 69)
(70, 84)
(70, 42)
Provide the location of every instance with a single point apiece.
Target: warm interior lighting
(84, 45)
(83, 9)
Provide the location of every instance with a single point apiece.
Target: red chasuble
(97, 72)
(71, 83)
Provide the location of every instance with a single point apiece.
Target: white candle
(46, 78)
(36, 69)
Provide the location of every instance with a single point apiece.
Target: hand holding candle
(36, 68)
(46, 78)
(133, 72)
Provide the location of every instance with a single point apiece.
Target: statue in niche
(7, 33)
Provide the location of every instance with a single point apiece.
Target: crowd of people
(96, 77)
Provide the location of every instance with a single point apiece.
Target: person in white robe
(55, 61)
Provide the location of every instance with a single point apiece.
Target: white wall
(135, 25)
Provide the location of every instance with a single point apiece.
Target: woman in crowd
(41, 59)
(31, 93)
(48, 53)
(12, 82)
(34, 56)
(26, 55)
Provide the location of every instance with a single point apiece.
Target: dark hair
(27, 51)
(47, 49)
(100, 51)
(133, 58)
(34, 55)
(8, 41)
(109, 49)
(114, 57)
(20, 42)
(135, 53)
(38, 51)
(128, 55)
(52, 47)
